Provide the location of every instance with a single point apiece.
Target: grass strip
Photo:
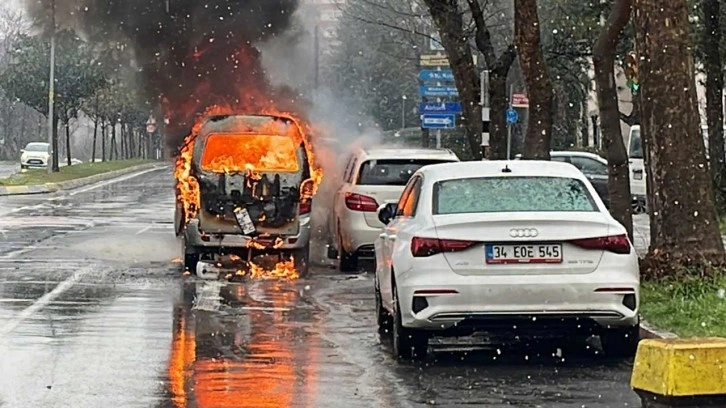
(40, 176)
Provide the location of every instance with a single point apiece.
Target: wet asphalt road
(93, 312)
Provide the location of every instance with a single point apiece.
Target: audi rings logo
(523, 232)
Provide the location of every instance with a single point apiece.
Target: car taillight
(359, 202)
(306, 207)
(423, 247)
(618, 244)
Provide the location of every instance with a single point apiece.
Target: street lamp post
(51, 91)
(403, 111)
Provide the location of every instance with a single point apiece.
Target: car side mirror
(386, 212)
(22, 150)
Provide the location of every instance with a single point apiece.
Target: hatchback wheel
(347, 262)
(620, 342)
(384, 319)
(408, 344)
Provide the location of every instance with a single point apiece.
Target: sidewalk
(641, 234)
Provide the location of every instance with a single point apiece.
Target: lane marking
(142, 230)
(112, 181)
(43, 301)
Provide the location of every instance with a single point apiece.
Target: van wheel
(347, 262)
(302, 260)
(190, 256)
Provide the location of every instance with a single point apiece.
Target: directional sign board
(430, 75)
(512, 116)
(438, 121)
(438, 91)
(520, 101)
(440, 107)
(437, 60)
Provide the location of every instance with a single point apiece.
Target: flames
(265, 149)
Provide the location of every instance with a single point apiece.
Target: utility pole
(509, 125)
(51, 92)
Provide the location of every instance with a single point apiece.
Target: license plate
(244, 220)
(523, 253)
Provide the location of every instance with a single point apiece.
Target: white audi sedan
(511, 246)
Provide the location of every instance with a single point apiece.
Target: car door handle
(382, 236)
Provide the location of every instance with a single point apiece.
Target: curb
(649, 332)
(71, 184)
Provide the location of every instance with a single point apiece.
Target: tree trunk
(122, 136)
(68, 142)
(714, 99)
(607, 97)
(499, 101)
(685, 227)
(95, 137)
(539, 87)
(55, 155)
(114, 144)
(448, 18)
(103, 140)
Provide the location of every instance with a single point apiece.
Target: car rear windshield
(238, 152)
(36, 147)
(511, 194)
(391, 172)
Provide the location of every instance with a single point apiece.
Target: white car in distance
(35, 154)
(522, 246)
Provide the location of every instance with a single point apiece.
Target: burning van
(244, 188)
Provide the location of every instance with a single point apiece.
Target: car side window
(349, 169)
(405, 196)
(409, 209)
(590, 166)
(559, 159)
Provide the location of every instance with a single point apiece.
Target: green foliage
(77, 73)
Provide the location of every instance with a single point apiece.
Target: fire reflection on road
(252, 352)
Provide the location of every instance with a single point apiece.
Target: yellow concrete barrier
(673, 368)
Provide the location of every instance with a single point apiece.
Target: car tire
(408, 344)
(23, 167)
(302, 260)
(620, 342)
(347, 262)
(384, 319)
(190, 256)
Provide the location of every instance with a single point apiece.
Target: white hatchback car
(372, 177)
(516, 245)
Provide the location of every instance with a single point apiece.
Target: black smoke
(191, 53)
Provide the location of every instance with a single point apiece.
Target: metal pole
(317, 56)
(509, 126)
(403, 112)
(51, 90)
(438, 138)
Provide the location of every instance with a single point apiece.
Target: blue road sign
(438, 91)
(438, 121)
(440, 107)
(512, 116)
(431, 75)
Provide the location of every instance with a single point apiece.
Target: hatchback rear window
(511, 194)
(238, 152)
(391, 172)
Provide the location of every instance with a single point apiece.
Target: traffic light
(631, 71)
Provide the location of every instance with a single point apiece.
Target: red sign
(520, 101)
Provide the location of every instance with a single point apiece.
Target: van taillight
(618, 244)
(423, 247)
(305, 207)
(359, 202)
